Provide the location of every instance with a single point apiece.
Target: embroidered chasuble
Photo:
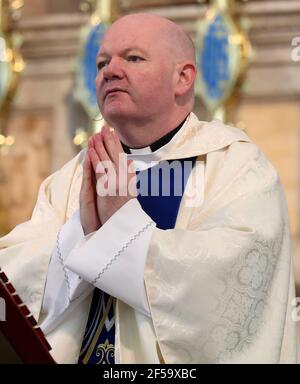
(160, 191)
(220, 284)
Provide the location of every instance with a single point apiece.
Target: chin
(114, 116)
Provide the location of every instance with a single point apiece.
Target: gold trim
(159, 354)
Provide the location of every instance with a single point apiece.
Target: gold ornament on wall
(11, 64)
(223, 53)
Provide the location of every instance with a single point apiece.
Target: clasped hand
(109, 180)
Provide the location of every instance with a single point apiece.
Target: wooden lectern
(21, 340)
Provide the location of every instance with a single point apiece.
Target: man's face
(136, 74)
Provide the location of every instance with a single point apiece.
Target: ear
(186, 74)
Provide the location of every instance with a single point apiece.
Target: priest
(167, 239)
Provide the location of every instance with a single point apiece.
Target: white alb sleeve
(113, 258)
(63, 287)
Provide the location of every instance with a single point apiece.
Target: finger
(122, 166)
(100, 148)
(131, 167)
(132, 179)
(117, 142)
(94, 158)
(110, 145)
(100, 172)
(114, 146)
(87, 169)
(88, 180)
(101, 176)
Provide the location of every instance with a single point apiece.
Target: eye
(101, 64)
(135, 58)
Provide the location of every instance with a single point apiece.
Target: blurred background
(47, 115)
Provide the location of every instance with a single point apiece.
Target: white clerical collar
(146, 157)
(156, 145)
(140, 151)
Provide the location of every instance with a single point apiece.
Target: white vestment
(219, 285)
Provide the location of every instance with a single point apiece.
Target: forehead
(124, 37)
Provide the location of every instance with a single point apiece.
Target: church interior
(46, 114)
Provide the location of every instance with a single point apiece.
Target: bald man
(167, 240)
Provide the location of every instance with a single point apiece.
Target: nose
(113, 70)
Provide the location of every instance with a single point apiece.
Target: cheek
(98, 83)
(153, 83)
(159, 89)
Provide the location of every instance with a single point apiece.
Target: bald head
(165, 32)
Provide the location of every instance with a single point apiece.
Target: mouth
(113, 91)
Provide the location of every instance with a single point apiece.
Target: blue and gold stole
(161, 189)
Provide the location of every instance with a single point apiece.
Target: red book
(21, 340)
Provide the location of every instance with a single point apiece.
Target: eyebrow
(122, 52)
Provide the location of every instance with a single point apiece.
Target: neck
(142, 134)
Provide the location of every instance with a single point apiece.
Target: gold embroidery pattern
(105, 352)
